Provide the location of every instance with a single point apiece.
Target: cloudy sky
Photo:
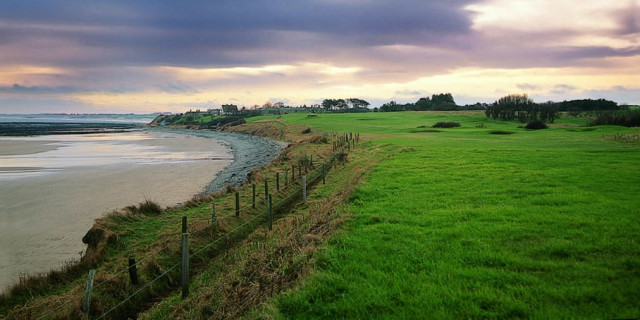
(155, 55)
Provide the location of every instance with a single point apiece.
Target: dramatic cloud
(150, 55)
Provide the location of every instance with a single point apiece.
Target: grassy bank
(463, 223)
(153, 238)
(484, 220)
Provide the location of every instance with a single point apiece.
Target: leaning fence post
(324, 174)
(277, 181)
(87, 294)
(214, 220)
(304, 189)
(133, 271)
(237, 203)
(270, 211)
(185, 265)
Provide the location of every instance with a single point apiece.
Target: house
(214, 112)
(229, 108)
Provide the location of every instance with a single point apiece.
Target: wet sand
(43, 218)
(9, 147)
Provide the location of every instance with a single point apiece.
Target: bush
(500, 132)
(446, 125)
(536, 125)
(306, 131)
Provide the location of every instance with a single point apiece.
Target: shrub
(320, 139)
(500, 132)
(342, 157)
(536, 125)
(306, 131)
(149, 208)
(446, 125)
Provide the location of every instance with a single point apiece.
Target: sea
(58, 173)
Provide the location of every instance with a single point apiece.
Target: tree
(333, 104)
(522, 108)
(510, 107)
(357, 103)
(442, 98)
(391, 106)
(423, 104)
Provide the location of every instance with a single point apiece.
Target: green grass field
(461, 223)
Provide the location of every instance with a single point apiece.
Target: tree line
(522, 108)
(437, 102)
(350, 104)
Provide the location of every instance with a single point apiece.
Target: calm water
(71, 151)
(53, 187)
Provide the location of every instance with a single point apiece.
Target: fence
(291, 190)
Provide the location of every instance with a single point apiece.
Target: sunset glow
(144, 56)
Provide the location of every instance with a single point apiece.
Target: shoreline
(249, 152)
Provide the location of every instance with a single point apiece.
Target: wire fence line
(287, 198)
(296, 185)
(159, 250)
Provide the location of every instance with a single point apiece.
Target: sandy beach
(43, 218)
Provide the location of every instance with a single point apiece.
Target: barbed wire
(295, 182)
(159, 250)
(207, 246)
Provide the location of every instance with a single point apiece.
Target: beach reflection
(69, 151)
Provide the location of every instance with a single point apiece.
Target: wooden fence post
(253, 204)
(304, 189)
(133, 271)
(214, 220)
(324, 174)
(184, 224)
(185, 265)
(286, 177)
(237, 204)
(86, 303)
(293, 174)
(270, 211)
(300, 169)
(277, 181)
(266, 188)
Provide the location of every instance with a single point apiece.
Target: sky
(143, 56)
